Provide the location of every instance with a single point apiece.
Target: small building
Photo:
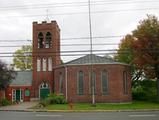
(20, 87)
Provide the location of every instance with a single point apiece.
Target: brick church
(110, 81)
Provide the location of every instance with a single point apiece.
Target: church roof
(94, 59)
(22, 78)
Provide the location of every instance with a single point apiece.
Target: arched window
(80, 83)
(104, 81)
(48, 40)
(125, 82)
(40, 40)
(44, 85)
(61, 83)
(44, 64)
(38, 64)
(50, 64)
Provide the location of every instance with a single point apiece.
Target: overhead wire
(70, 4)
(80, 13)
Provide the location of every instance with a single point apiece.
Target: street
(7, 115)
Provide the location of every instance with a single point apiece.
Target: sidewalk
(24, 106)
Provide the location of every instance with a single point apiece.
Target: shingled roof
(94, 59)
(22, 78)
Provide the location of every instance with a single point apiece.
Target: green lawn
(106, 106)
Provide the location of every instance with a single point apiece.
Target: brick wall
(9, 89)
(54, 52)
(115, 83)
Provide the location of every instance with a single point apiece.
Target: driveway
(21, 106)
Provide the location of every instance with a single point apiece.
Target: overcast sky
(110, 20)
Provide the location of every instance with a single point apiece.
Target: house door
(44, 90)
(18, 95)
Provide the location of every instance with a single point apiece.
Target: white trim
(66, 83)
(38, 64)
(13, 93)
(44, 64)
(21, 95)
(50, 64)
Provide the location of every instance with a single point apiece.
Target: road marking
(150, 115)
(39, 115)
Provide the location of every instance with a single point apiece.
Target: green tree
(6, 75)
(125, 50)
(22, 58)
(145, 49)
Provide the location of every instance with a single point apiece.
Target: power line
(93, 12)
(102, 44)
(80, 51)
(70, 4)
(67, 39)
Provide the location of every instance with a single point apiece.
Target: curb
(71, 111)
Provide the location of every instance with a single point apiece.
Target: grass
(106, 106)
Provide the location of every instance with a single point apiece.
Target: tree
(125, 54)
(22, 58)
(125, 50)
(144, 48)
(6, 75)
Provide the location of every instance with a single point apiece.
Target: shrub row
(53, 99)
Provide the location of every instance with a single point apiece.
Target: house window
(38, 64)
(125, 82)
(44, 64)
(40, 40)
(48, 40)
(104, 81)
(27, 92)
(61, 84)
(44, 85)
(80, 83)
(13, 95)
(49, 64)
(93, 83)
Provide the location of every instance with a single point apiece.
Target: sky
(111, 20)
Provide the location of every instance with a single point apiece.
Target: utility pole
(91, 52)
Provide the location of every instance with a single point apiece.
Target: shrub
(56, 99)
(53, 99)
(4, 102)
(145, 91)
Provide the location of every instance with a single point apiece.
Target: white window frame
(50, 64)
(38, 64)
(13, 95)
(44, 64)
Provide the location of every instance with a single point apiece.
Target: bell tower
(46, 55)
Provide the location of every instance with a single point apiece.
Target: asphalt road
(6, 115)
